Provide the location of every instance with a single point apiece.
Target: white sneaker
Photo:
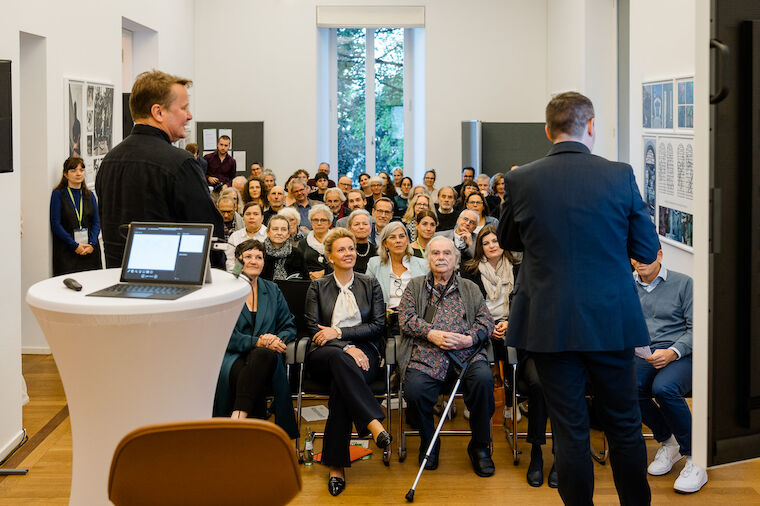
(508, 414)
(691, 479)
(663, 462)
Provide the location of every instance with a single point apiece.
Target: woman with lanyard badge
(74, 222)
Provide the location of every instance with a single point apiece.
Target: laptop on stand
(162, 261)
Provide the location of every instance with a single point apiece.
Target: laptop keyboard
(147, 289)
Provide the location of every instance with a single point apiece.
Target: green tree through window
(387, 74)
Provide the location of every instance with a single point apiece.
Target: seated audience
(376, 186)
(298, 191)
(254, 364)
(468, 188)
(253, 217)
(334, 198)
(495, 199)
(364, 184)
(345, 184)
(276, 200)
(476, 202)
(294, 222)
(484, 184)
(360, 225)
(256, 170)
(429, 180)
(438, 339)
(401, 200)
(193, 149)
(398, 176)
(395, 265)
(234, 195)
(269, 179)
(283, 260)
(232, 220)
(419, 202)
(239, 183)
(447, 215)
(665, 375)
(427, 222)
(356, 200)
(322, 168)
(418, 190)
(312, 247)
(303, 176)
(320, 183)
(463, 235)
(346, 318)
(381, 214)
(256, 191)
(74, 221)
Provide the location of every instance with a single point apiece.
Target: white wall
(484, 60)
(662, 47)
(82, 41)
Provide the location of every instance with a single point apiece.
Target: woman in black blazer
(345, 314)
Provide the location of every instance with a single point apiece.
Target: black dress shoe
(535, 477)
(336, 485)
(383, 439)
(482, 463)
(432, 461)
(553, 477)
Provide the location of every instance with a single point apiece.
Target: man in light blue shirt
(665, 375)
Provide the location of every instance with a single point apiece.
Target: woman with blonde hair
(418, 203)
(345, 316)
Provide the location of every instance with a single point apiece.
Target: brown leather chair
(217, 461)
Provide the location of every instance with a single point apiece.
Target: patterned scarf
(280, 255)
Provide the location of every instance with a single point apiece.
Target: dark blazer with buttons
(578, 218)
(370, 333)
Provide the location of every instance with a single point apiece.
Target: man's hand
(212, 179)
(660, 358)
(449, 340)
(466, 237)
(500, 330)
(317, 274)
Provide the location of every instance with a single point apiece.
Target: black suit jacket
(578, 218)
(320, 303)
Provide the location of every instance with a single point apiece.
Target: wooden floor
(47, 454)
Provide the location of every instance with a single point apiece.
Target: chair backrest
(217, 461)
(294, 291)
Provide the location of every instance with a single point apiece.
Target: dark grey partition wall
(247, 136)
(507, 144)
(6, 130)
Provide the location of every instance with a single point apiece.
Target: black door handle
(722, 68)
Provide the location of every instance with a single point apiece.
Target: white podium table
(125, 363)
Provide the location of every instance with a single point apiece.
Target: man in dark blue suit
(579, 218)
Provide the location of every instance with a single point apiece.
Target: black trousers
(612, 377)
(421, 392)
(351, 399)
(537, 415)
(251, 380)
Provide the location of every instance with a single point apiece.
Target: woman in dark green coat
(254, 363)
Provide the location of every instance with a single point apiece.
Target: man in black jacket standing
(145, 178)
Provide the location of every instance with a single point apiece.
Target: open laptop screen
(166, 253)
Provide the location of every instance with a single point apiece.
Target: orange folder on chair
(356, 453)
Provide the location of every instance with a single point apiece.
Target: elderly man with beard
(441, 315)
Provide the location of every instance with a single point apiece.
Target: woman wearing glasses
(394, 266)
(344, 316)
(311, 247)
(254, 362)
(476, 202)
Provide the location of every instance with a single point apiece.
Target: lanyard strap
(74, 205)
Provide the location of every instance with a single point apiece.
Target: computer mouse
(73, 284)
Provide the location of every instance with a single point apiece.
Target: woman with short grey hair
(311, 247)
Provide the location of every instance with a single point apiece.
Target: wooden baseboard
(35, 350)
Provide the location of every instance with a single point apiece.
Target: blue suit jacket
(578, 218)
